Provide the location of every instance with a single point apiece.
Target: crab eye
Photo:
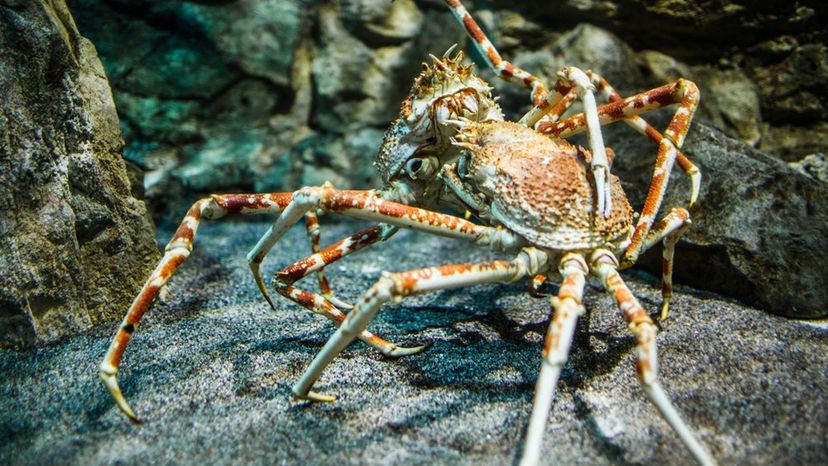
(419, 168)
(413, 167)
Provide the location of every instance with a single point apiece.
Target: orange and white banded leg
(502, 68)
(312, 227)
(682, 92)
(639, 124)
(368, 205)
(668, 230)
(176, 252)
(605, 267)
(321, 304)
(568, 307)
(394, 286)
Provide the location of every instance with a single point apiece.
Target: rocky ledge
(210, 372)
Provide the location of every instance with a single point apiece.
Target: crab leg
(312, 226)
(502, 68)
(568, 307)
(322, 305)
(604, 267)
(640, 125)
(367, 205)
(176, 252)
(682, 92)
(669, 229)
(398, 285)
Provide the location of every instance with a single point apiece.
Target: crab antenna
(450, 49)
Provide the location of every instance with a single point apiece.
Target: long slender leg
(367, 205)
(640, 125)
(502, 68)
(321, 304)
(604, 266)
(568, 307)
(176, 252)
(399, 285)
(669, 229)
(312, 227)
(682, 92)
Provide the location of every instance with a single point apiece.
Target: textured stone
(379, 23)
(813, 165)
(76, 244)
(758, 229)
(258, 36)
(210, 370)
(790, 142)
(730, 100)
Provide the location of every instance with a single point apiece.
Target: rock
(758, 229)
(76, 243)
(813, 165)
(587, 47)
(790, 142)
(730, 100)
(257, 36)
(200, 83)
(686, 29)
(358, 86)
(791, 83)
(379, 23)
(210, 370)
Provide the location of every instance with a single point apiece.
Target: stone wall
(75, 242)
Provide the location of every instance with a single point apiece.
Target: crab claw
(339, 303)
(108, 376)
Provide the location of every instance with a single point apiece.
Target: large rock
(759, 228)
(76, 243)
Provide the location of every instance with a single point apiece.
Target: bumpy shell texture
(542, 188)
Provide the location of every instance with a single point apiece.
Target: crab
(553, 206)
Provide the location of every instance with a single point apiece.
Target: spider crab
(554, 206)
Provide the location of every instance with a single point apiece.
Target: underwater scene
(406, 232)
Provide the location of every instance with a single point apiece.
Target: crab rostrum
(550, 204)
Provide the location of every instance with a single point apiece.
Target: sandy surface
(210, 371)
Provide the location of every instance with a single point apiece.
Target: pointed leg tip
(665, 310)
(338, 302)
(314, 396)
(401, 351)
(111, 382)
